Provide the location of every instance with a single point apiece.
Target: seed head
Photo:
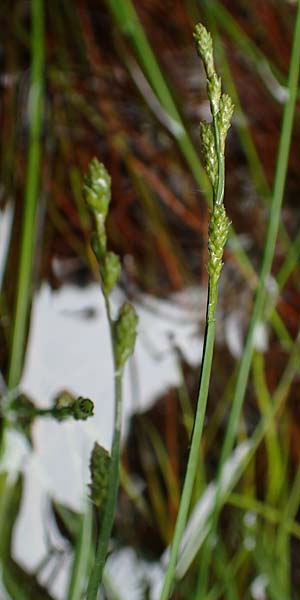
(204, 47)
(99, 469)
(125, 334)
(97, 188)
(110, 271)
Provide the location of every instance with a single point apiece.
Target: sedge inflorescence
(212, 137)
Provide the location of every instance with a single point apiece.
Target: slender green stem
(266, 511)
(275, 472)
(113, 480)
(193, 455)
(97, 191)
(24, 285)
(282, 545)
(278, 399)
(291, 262)
(213, 142)
(82, 556)
(258, 310)
(111, 500)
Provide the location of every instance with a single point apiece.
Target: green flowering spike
(82, 409)
(218, 233)
(204, 47)
(110, 271)
(224, 117)
(208, 148)
(125, 334)
(99, 469)
(214, 87)
(97, 188)
(97, 193)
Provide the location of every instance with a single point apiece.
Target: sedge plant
(259, 308)
(212, 137)
(105, 468)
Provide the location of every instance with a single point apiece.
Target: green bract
(125, 334)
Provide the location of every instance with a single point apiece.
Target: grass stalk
(35, 109)
(275, 470)
(82, 555)
(261, 295)
(192, 460)
(213, 141)
(282, 544)
(97, 192)
(112, 494)
(279, 397)
(113, 477)
(267, 512)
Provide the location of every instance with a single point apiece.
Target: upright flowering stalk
(105, 468)
(212, 136)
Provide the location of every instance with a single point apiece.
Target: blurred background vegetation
(122, 82)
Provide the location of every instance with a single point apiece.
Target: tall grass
(28, 237)
(213, 141)
(261, 296)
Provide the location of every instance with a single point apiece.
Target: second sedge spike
(97, 188)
